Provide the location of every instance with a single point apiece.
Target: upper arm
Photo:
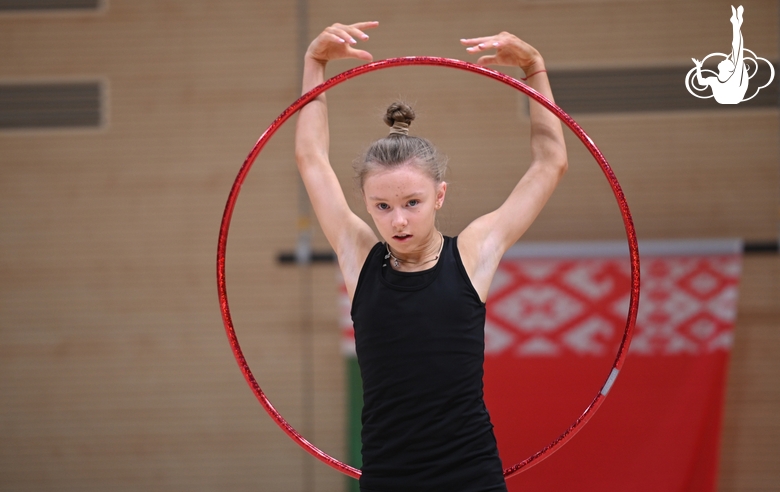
(483, 243)
(349, 236)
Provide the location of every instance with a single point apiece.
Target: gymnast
(418, 297)
(731, 84)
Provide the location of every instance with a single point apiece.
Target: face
(403, 202)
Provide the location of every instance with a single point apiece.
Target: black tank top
(420, 343)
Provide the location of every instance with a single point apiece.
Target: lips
(402, 237)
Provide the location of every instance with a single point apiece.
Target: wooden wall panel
(751, 431)
(114, 369)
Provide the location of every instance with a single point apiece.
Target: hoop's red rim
(628, 223)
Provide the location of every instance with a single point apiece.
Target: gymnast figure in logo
(731, 84)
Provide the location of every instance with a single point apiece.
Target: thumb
(487, 60)
(360, 54)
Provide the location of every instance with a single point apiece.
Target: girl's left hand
(510, 51)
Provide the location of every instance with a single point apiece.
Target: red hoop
(444, 62)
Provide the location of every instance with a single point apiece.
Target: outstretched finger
(341, 33)
(475, 41)
(356, 30)
(478, 48)
(365, 25)
(332, 36)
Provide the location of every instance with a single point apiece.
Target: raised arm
(350, 237)
(699, 78)
(484, 241)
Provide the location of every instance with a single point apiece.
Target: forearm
(547, 144)
(312, 138)
(702, 82)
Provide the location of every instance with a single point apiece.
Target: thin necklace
(397, 261)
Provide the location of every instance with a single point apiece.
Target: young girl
(418, 297)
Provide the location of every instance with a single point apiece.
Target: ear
(441, 191)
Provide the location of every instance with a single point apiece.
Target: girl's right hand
(336, 42)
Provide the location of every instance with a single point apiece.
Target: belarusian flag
(556, 313)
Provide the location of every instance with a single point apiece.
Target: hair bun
(399, 112)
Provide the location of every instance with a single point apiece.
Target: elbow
(304, 157)
(551, 169)
(303, 151)
(301, 157)
(557, 167)
(309, 159)
(563, 164)
(560, 163)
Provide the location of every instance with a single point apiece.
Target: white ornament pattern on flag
(558, 306)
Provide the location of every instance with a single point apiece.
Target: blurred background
(123, 124)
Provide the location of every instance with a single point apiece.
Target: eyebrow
(415, 194)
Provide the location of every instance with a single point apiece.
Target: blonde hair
(399, 148)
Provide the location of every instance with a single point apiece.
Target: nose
(399, 220)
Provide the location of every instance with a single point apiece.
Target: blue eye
(414, 203)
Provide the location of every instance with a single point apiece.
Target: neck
(429, 253)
